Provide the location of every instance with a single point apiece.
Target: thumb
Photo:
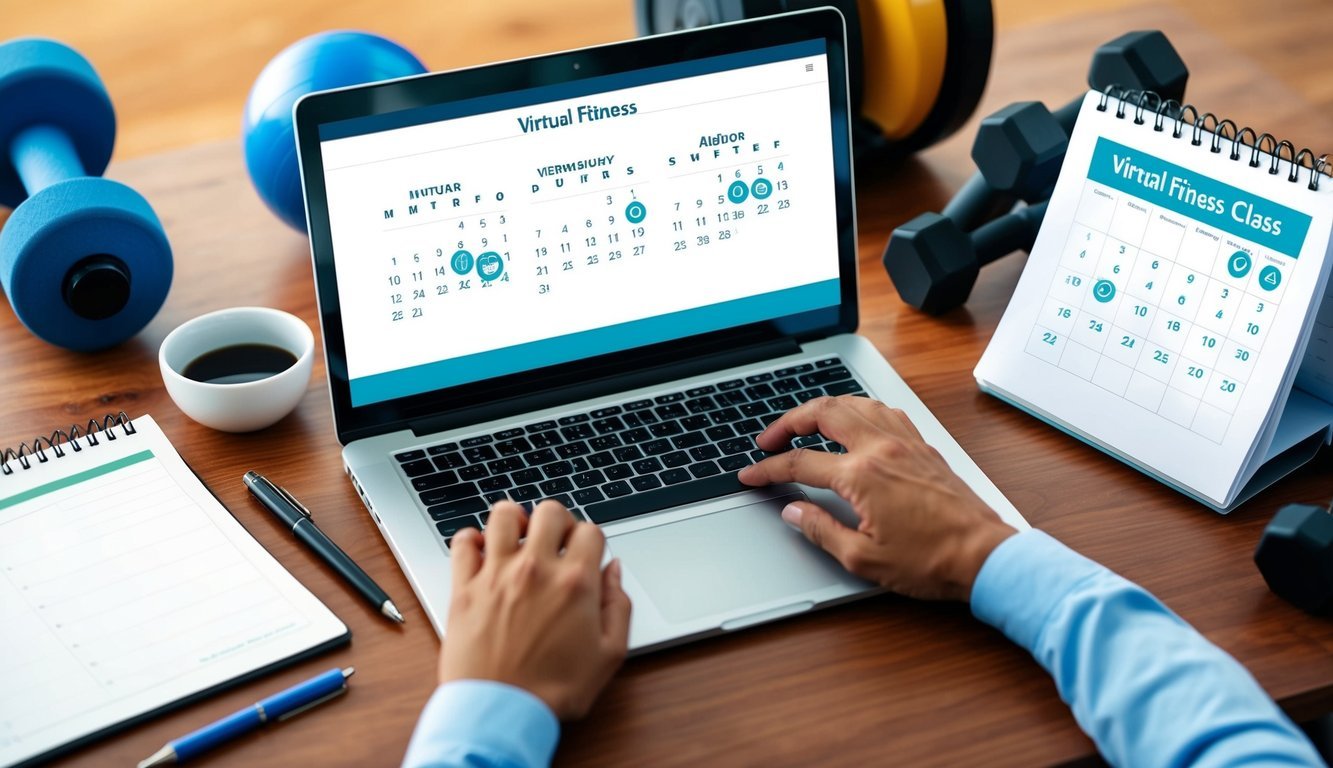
(615, 610)
(825, 532)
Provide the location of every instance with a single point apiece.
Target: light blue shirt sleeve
(483, 724)
(1143, 684)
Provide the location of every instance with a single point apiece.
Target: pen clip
(290, 498)
(306, 707)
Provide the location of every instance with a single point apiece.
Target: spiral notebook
(1175, 310)
(126, 589)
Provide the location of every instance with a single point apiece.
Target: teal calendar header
(1228, 208)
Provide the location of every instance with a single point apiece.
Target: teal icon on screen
(462, 262)
(738, 191)
(1270, 278)
(1103, 290)
(1239, 264)
(635, 212)
(490, 265)
(761, 189)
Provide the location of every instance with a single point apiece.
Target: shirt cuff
(1023, 582)
(500, 723)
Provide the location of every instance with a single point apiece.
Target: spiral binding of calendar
(36, 451)
(1164, 112)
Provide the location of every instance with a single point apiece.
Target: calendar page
(557, 223)
(1167, 302)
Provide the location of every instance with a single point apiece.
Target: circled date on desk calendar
(499, 228)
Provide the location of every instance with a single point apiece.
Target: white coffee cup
(245, 406)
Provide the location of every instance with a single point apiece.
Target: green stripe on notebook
(85, 475)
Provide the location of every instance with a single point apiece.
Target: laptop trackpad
(736, 559)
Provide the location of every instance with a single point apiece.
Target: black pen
(293, 514)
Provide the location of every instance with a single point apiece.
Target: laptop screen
(494, 235)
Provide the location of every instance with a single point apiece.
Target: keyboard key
(754, 409)
(436, 450)
(809, 394)
(407, 456)
(451, 460)
(662, 498)
(807, 441)
(826, 376)
(524, 493)
(577, 432)
(508, 434)
(475, 441)
(733, 463)
(604, 442)
(783, 404)
(602, 413)
(618, 472)
(732, 384)
(585, 496)
(473, 472)
(638, 405)
(676, 476)
(758, 377)
(645, 482)
(666, 429)
(606, 426)
(513, 447)
(647, 417)
(602, 459)
(501, 483)
(828, 362)
(546, 439)
(676, 459)
(707, 389)
(449, 493)
(671, 411)
(760, 392)
(725, 416)
(617, 489)
(565, 499)
(448, 528)
(422, 466)
(502, 466)
(843, 387)
(585, 479)
(647, 466)
(747, 427)
(795, 369)
(674, 397)
(577, 418)
(689, 440)
(437, 480)
(627, 454)
(695, 423)
(787, 386)
(656, 447)
(456, 508)
(719, 433)
(769, 418)
(570, 450)
(730, 398)
(558, 469)
(636, 435)
(819, 447)
(705, 452)
(705, 469)
(580, 464)
(495, 497)
(739, 445)
(478, 454)
(539, 457)
(700, 405)
(835, 447)
(558, 485)
(541, 426)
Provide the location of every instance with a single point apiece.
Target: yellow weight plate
(905, 43)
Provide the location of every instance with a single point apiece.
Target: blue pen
(279, 706)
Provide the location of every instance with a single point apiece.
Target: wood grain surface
(883, 681)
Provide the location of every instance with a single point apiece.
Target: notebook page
(124, 586)
(1166, 301)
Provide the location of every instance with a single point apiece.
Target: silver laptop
(596, 276)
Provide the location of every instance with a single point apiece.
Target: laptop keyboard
(623, 460)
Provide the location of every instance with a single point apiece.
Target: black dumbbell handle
(44, 155)
(1011, 232)
(975, 202)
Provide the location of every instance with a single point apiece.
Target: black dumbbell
(934, 263)
(1295, 556)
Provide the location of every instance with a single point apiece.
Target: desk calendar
(1174, 311)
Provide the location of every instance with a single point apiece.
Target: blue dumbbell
(83, 260)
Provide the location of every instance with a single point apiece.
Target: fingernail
(791, 514)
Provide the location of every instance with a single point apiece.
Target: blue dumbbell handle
(44, 155)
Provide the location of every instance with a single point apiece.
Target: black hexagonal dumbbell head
(931, 263)
(1019, 150)
(1143, 60)
(1295, 556)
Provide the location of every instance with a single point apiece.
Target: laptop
(596, 276)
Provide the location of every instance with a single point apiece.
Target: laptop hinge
(621, 382)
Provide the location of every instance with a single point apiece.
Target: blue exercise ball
(316, 63)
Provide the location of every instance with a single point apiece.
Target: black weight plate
(970, 27)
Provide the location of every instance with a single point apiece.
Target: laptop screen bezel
(355, 422)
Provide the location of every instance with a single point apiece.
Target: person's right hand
(923, 532)
(540, 614)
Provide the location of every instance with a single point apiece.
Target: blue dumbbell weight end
(316, 63)
(83, 260)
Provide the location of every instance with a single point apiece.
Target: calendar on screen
(1172, 300)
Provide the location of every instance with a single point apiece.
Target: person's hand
(540, 615)
(923, 532)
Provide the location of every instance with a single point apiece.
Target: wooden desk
(883, 681)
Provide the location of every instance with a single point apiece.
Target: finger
(585, 545)
(465, 552)
(615, 609)
(503, 529)
(799, 465)
(826, 532)
(895, 420)
(833, 418)
(549, 527)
